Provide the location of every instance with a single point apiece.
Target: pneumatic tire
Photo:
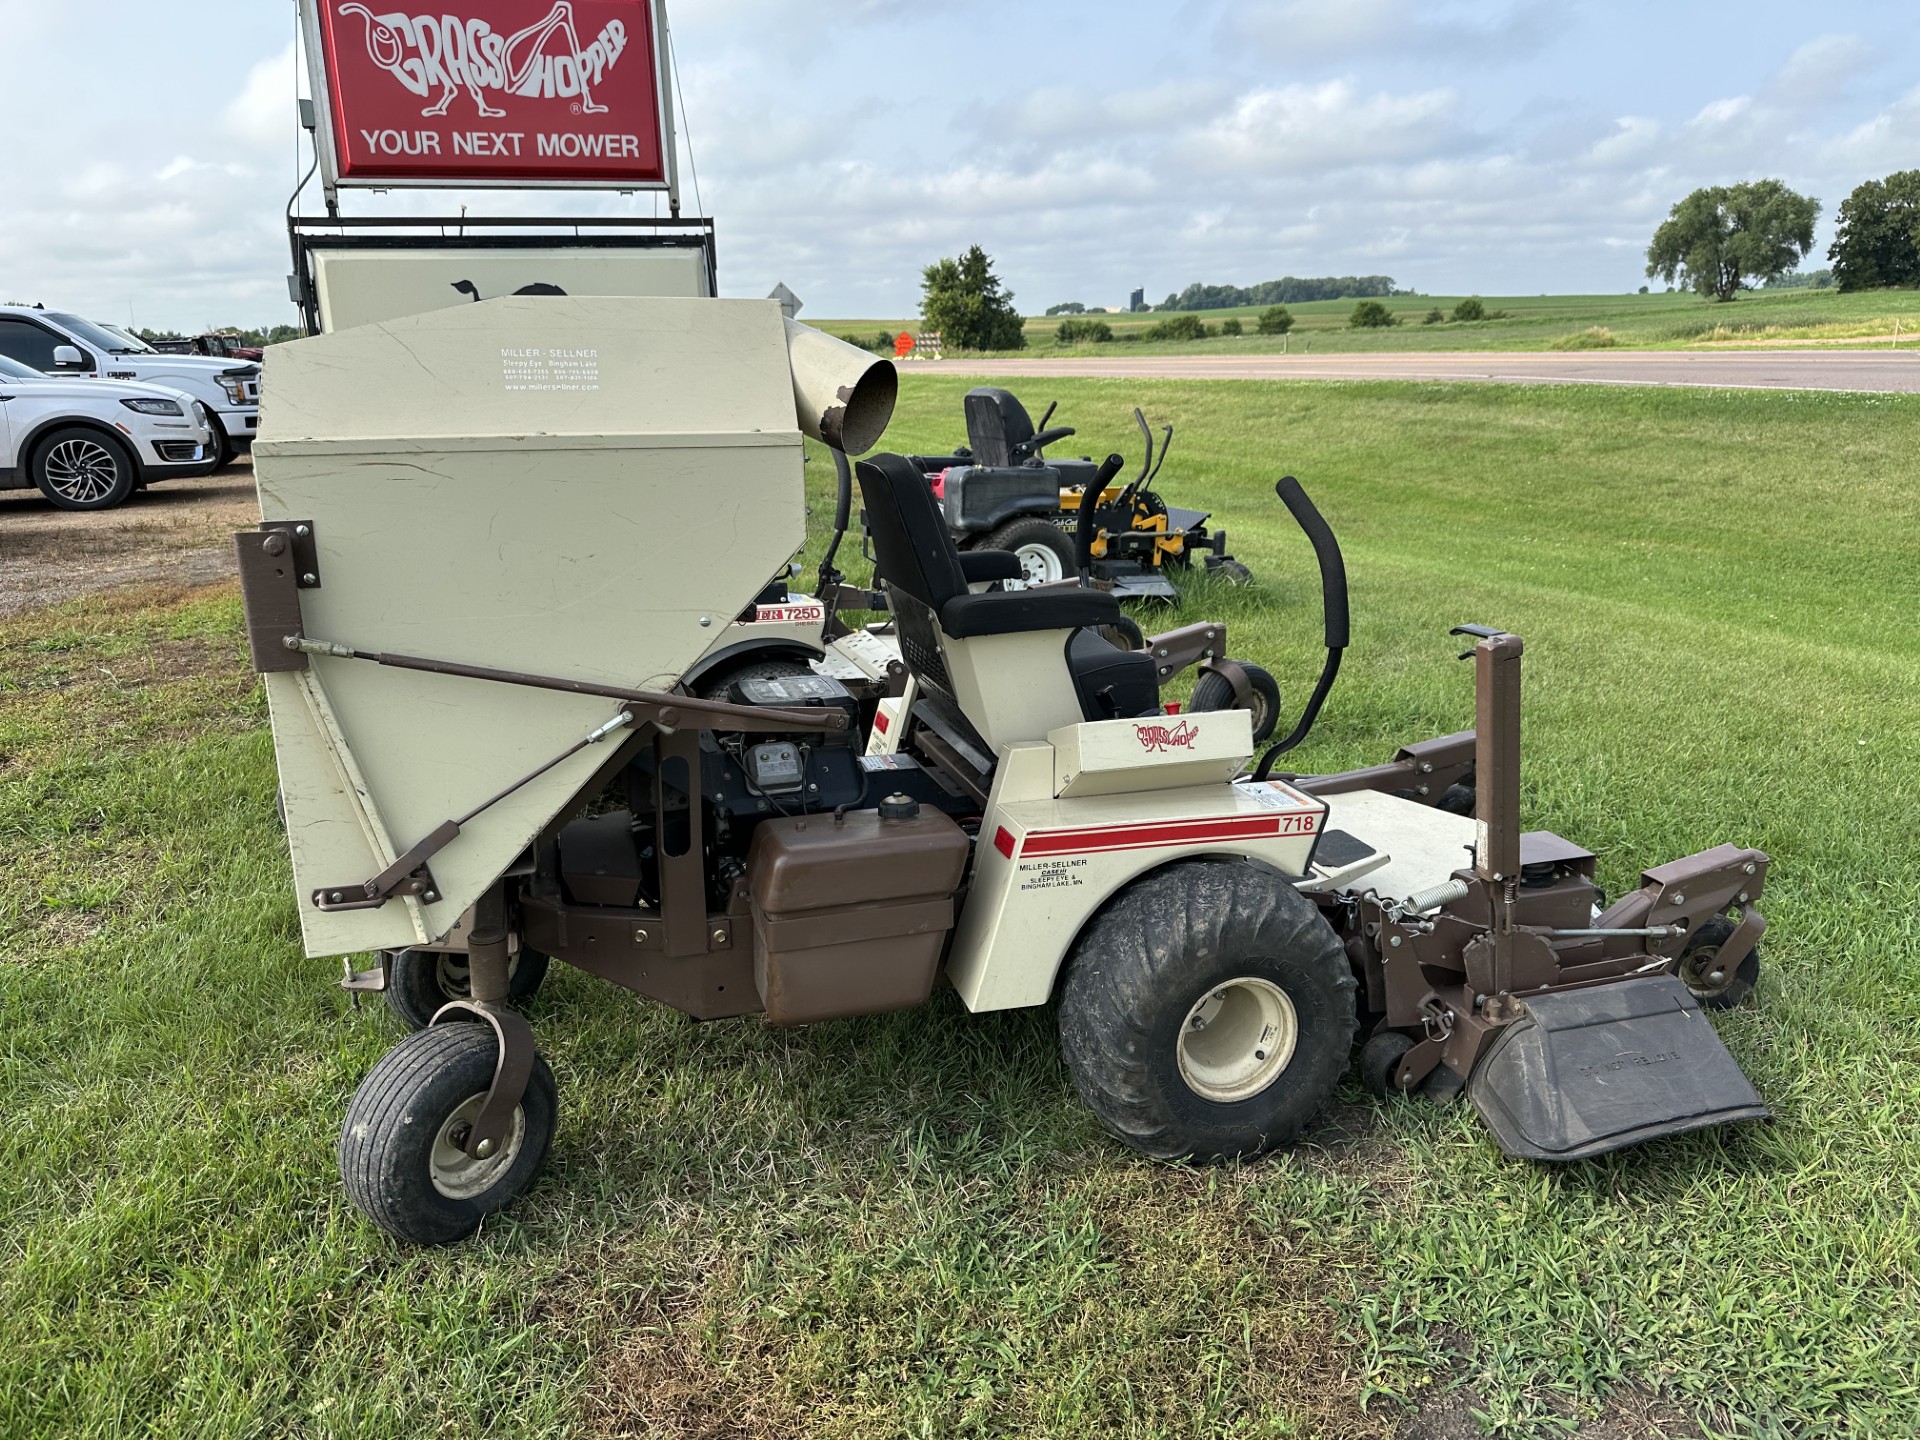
(419, 982)
(224, 453)
(1213, 691)
(78, 468)
(398, 1149)
(1043, 549)
(1203, 945)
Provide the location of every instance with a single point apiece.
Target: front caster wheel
(400, 1149)
(1717, 986)
(1213, 691)
(1207, 1012)
(419, 982)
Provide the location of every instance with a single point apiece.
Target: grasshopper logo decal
(1157, 739)
(540, 62)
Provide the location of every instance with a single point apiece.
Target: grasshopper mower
(1001, 491)
(492, 758)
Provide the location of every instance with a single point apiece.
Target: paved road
(1876, 370)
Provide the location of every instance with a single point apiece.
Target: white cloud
(264, 113)
(1090, 145)
(1307, 30)
(1300, 129)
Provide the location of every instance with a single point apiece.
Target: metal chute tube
(842, 395)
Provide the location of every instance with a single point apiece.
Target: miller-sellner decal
(548, 90)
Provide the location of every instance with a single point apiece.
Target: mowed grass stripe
(908, 1223)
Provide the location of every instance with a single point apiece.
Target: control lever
(1086, 525)
(1479, 632)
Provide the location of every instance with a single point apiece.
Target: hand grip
(1326, 549)
(1085, 526)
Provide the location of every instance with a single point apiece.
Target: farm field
(909, 1224)
(1680, 320)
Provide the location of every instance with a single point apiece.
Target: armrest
(979, 565)
(1014, 612)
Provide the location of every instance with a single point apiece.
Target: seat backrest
(911, 547)
(998, 426)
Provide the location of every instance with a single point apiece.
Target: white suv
(65, 345)
(89, 444)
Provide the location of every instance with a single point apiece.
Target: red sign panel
(494, 90)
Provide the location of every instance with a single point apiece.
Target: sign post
(554, 94)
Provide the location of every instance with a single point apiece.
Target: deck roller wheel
(1717, 986)
(1380, 1061)
(400, 1149)
(1207, 1012)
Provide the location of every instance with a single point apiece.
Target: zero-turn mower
(1002, 491)
(492, 757)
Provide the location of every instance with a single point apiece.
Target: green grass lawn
(908, 1225)
(1680, 320)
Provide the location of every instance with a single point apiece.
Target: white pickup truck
(61, 344)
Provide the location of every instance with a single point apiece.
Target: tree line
(1287, 290)
(1723, 239)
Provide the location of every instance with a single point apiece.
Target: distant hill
(1288, 290)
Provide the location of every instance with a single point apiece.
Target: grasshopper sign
(491, 92)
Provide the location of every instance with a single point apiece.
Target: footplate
(1593, 1070)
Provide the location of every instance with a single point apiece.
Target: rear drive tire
(1042, 548)
(1706, 979)
(419, 982)
(222, 446)
(399, 1148)
(81, 469)
(1213, 691)
(1207, 1012)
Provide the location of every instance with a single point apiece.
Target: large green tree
(964, 300)
(1722, 239)
(1877, 242)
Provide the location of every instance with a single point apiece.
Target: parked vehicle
(89, 444)
(66, 345)
(217, 343)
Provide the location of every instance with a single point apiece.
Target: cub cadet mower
(490, 759)
(1000, 491)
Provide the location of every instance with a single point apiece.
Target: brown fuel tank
(850, 913)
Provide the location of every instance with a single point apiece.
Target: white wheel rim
(459, 1176)
(82, 470)
(1237, 1040)
(1039, 565)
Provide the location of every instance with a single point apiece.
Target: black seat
(917, 558)
(999, 430)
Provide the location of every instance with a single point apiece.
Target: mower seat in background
(999, 430)
(1018, 664)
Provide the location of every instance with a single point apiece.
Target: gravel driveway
(179, 532)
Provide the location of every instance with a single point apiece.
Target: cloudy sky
(147, 147)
